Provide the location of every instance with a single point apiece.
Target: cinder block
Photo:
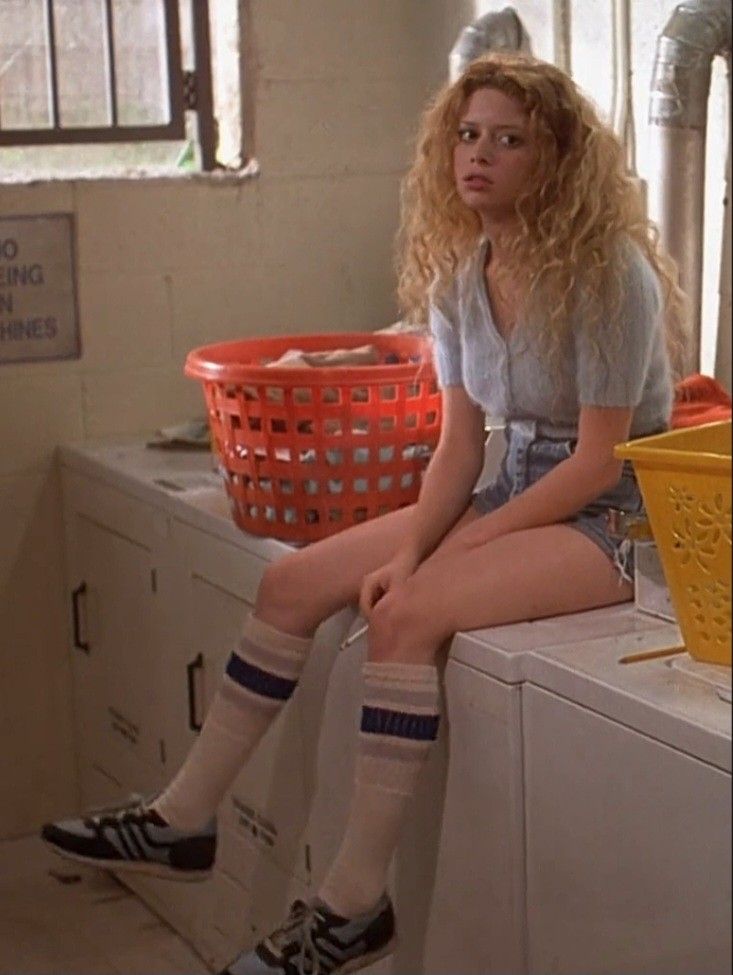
(138, 401)
(37, 412)
(36, 198)
(159, 226)
(316, 127)
(332, 216)
(376, 40)
(125, 318)
(216, 306)
(334, 270)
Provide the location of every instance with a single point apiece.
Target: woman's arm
(575, 482)
(450, 477)
(444, 495)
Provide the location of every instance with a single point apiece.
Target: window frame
(186, 90)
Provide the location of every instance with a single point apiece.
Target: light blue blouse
(509, 378)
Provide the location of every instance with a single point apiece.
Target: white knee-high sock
(399, 724)
(258, 681)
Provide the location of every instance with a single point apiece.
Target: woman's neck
(500, 241)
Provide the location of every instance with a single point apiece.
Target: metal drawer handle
(196, 664)
(75, 596)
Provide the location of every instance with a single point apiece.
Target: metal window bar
(111, 68)
(185, 90)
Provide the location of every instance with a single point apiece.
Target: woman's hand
(378, 583)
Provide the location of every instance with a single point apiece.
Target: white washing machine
(476, 922)
(628, 806)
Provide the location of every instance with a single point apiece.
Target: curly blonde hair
(579, 203)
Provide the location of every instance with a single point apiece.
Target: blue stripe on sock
(259, 681)
(401, 724)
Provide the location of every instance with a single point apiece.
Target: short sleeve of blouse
(446, 347)
(617, 376)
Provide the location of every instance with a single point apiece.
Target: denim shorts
(530, 455)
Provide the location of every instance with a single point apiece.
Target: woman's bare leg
(295, 595)
(529, 574)
(306, 587)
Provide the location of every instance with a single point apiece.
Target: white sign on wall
(38, 314)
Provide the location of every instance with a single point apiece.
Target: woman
(525, 245)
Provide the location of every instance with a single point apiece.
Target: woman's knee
(403, 628)
(282, 597)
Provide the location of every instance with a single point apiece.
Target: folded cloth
(699, 399)
(363, 355)
(193, 435)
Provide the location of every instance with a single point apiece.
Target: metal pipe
(622, 107)
(723, 346)
(697, 31)
(562, 33)
(501, 31)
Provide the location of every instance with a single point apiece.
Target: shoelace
(300, 927)
(108, 815)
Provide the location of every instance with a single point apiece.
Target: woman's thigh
(312, 583)
(526, 575)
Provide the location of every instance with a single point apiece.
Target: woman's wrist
(407, 556)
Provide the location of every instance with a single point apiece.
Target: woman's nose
(484, 158)
(482, 151)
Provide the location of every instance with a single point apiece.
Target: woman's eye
(510, 140)
(465, 135)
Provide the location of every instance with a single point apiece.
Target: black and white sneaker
(314, 939)
(134, 838)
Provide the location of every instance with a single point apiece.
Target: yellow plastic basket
(685, 478)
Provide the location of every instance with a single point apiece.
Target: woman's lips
(477, 182)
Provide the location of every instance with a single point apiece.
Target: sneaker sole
(145, 868)
(365, 960)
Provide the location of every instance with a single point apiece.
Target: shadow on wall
(35, 684)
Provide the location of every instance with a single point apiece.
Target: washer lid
(663, 697)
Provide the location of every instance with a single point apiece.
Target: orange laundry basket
(307, 452)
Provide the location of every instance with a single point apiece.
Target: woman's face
(494, 156)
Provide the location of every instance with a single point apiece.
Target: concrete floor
(57, 917)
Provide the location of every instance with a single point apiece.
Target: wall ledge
(217, 177)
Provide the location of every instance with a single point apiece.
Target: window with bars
(110, 85)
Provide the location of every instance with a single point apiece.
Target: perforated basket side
(309, 452)
(685, 479)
